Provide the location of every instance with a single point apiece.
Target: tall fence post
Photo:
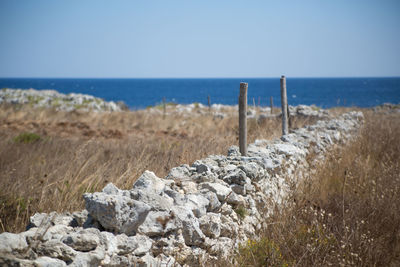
(271, 102)
(209, 103)
(164, 107)
(243, 119)
(285, 126)
(289, 118)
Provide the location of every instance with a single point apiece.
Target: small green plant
(27, 138)
(56, 102)
(34, 100)
(168, 104)
(241, 212)
(86, 102)
(79, 106)
(196, 105)
(264, 252)
(313, 107)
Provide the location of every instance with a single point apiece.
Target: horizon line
(250, 77)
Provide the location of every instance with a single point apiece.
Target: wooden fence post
(289, 118)
(285, 126)
(164, 107)
(271, 102)
(209, 103)
(243, 119)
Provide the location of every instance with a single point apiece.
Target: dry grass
(346, 214)
(82, 152)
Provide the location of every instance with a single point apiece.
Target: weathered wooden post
(289, 118)
(164, 107)
(243, 119)
(271, 102)
(209, 103)
(285, 127)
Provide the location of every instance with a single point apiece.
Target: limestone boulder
(48, 262)
(84, 240)
(220, 190)
(115, 212)
(187, 221)
(157, 223)
(12, 243)
(56, 249)
(197, 203)
(210, 224)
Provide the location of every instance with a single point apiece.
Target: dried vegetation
(61, 155)
(347, 213)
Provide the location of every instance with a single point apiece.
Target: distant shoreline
(144, 92)
(76, 101)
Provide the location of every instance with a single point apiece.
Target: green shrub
(241, 211)
(264, 252)
(27, 138)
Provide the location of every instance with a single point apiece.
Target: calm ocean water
(140, 93)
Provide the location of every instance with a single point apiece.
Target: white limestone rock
(251, 170)
(214, 203)
(91, 258)
(210, 224)
(48, 262)
(180, 173)
(236, 176)
(12, 243)
(148, 181)
(220, 190)
(235, 199)
(197, 203)
(115, 212)
(157, 223)
(56, 249)
(185, 220)
(84, 240)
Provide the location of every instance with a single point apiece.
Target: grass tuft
(241, 212)
(26, 138)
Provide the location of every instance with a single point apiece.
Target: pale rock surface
(210, 224)
(116, 212)
(220, 190)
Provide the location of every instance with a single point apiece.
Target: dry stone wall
(194, 214)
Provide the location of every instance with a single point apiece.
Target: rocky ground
(54, 99)
(195, 214)
(221, 111)
(82, 102)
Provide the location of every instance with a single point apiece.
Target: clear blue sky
(338, 38)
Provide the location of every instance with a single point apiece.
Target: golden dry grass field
(77, 152)
(346, 213)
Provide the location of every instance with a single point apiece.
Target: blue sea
(140, 93)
